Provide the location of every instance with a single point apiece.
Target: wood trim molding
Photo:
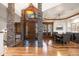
(64, 18)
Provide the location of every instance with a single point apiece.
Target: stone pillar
(40, 26)
(10, 25)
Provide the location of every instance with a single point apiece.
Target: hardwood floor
(50, 50)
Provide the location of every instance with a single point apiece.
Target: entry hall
(39, 29)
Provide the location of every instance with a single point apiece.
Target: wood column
(47, 29)
(40, 26)
(52, 27)
(10, 25)
(23, 26)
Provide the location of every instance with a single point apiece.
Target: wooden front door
(31, 30)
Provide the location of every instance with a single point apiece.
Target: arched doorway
(29, 25)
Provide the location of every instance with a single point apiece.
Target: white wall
(60, 23)
(66, 24)
(74, 20)
(1, 44)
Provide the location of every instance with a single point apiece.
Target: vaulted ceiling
(62, 11)
(20, 6)
(52, 10)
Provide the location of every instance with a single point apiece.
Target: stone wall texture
(40, 26)
(10, 25)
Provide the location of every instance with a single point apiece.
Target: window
(30, 14)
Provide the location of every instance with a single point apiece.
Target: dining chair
(54, 37)
(71, 35)
(77, 37)
(65, 39)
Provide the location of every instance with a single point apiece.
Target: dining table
(59, 37)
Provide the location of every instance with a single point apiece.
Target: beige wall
(3, 17)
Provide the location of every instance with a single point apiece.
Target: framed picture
(77, 27)
(73, 27)
(59, 28)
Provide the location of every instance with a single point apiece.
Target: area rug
(70, 45)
